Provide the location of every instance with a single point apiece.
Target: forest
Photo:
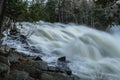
(59, 39)
(95, 13)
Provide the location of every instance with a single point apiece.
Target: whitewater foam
(93, 54)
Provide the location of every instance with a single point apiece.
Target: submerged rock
(68, 71)
(62, 64)
(23, 39)
(63, 59)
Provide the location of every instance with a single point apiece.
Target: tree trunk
(2, 13)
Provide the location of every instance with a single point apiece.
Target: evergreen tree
(50, 9)
(16, 9)
(103, 3)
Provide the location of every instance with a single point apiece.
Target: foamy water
(93, 54)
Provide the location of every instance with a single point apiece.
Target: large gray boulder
(18, 75)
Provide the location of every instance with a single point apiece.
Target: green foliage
(35, 12)
(16, 9)
(22, 11)
(50, 9)
(99, 14)
(100, 19)
(103, 3)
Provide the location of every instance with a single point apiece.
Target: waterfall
(92, 54)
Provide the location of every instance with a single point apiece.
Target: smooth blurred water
(93, 54)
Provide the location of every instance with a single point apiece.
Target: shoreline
(18, 66)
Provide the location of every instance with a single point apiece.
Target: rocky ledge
(17, 66)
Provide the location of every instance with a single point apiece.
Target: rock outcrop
(17, 66)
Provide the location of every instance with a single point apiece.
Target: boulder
(41, 65)
(33, 67)
(74, 77)
(13, 58)
(33, 72)
(53, 69)
(4, 68)
(45, 76)
(35, 58)
(4, 71)
(18, 75)
(4, 50)
(63, 59)
(53, 76)
(4, 60)
(30, 78)
(62, 64)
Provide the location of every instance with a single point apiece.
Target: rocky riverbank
(17, 66)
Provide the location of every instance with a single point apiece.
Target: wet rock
(23, 39)
(30, 67)
(53, 69)
(63, 59)
(13, 30)
(33, 49)
(68, 71)
(18, 75)
(65, 70)
(62, 64)
(30, 78)
(74, 77)
(3, 78)
(13, 58)
(3, 67)
(37, 58)
(33, 72)
(53, 76)
(12, 50)
(39, 65)
(4, 50)
(4, 71)
(45, 76)
(4, 60)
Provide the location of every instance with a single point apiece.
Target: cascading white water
(93, 54)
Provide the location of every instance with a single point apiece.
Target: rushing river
(92, 54)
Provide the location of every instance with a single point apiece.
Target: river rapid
(91, 54)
